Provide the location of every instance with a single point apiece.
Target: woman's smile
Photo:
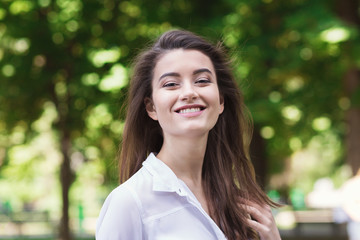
(190, 110)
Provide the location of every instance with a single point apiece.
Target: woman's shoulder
(120, 214)
(131, 191)
(123, 200)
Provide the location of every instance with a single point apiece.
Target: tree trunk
(348, 12)
(258, 157)
(66, 178)
(352, 84)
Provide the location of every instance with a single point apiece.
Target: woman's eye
(203, 80)
(169, 84)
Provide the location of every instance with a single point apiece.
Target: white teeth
(189, 110)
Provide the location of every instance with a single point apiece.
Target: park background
(64, 73)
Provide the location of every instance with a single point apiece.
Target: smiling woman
(183, 166)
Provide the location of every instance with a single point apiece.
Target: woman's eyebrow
(169, 74)
(201, 70)
(175, 74)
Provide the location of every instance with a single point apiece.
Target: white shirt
(155, 204)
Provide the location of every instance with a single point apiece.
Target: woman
(186, 117)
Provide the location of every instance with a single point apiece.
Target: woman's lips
(190, 110)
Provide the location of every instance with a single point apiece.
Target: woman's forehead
(179, 59)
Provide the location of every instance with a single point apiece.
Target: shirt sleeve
(120, 217)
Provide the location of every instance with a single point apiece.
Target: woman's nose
(188, 93)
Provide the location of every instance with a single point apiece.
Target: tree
(348, 11)
(292, 59)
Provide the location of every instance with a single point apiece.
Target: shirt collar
(164, 179)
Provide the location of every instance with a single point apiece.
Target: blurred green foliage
(64, 73)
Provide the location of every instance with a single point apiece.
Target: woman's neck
(185, 157)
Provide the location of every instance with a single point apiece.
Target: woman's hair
(228, 174)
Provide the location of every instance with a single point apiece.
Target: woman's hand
(262, 221)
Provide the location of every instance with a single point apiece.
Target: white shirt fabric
(154, 204)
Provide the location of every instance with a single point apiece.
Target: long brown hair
(228, 175)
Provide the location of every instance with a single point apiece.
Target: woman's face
(185, 98)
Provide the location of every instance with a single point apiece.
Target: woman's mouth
(189, 110)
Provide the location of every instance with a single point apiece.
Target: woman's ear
(150, 108)
(221, 105)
